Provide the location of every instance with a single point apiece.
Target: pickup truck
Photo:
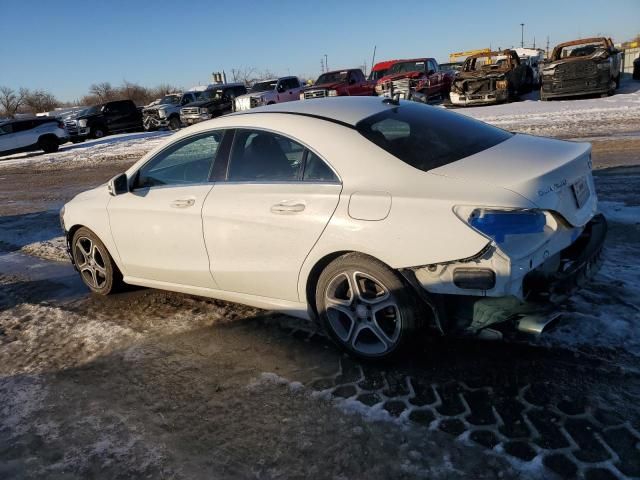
(348, 82)
(165, 113)
(418, 79)
(268, 92)
(103, 119)
(582, 67)
(217, 100)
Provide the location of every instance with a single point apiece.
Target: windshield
(264, 86)
(403, 67)
(333, 77)
(581, 50)
(487, 63)
(211, 95)
(428, 137)
(169, 99)
(93, 110)
(378, 74)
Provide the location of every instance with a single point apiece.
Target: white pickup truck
(267, 92)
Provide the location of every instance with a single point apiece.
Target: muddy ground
(149, 384)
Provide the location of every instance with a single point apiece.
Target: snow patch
(620, 212)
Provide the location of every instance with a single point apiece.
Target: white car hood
(542, 170)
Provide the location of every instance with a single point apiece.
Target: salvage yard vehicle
(490, 77)
(165, 113)
(636, 69)
(349, 82)
(411, 216)
(582, 67)
(103, 119)
(267, 92)
(31, 134)
(213, 102)
(419, 79)
(380, 69)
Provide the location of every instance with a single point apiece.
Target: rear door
(116, 115)
(262, 221)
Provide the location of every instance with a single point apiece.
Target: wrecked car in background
(215, 101)
(268, 92)
(380, 69)
(582, 67)
(490, 77)
(418, 79)
(165, 113)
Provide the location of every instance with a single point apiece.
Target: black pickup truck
(103, 119)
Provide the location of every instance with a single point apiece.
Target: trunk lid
(553, 174)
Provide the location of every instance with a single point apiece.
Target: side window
(264, 156)
(21, 126)
(432, 66)
(186, 162)
(6, 129)
(240, 91)
(315, 170)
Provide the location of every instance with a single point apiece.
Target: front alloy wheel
(365, 307)
(96, 267)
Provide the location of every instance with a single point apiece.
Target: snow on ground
(122, 147)
(569, 117)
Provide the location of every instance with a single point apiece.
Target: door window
(186, 162)
(264, 156)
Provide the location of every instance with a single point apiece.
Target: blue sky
(64, 46)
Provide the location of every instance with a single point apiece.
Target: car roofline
(301, 114)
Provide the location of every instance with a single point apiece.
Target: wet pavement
(162, 385)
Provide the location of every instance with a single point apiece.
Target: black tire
(49, 143)
(98, 131)
(351, 319)
(97, 269)
(618, 82)
(174, 123)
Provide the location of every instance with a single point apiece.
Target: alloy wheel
(90, 260)
(363, 313)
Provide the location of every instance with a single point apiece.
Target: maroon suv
(339, 83)
(418, 79)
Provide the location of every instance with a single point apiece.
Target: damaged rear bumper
(522, 301)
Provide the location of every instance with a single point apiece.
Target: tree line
(26, 101)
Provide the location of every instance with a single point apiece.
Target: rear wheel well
(314, 275)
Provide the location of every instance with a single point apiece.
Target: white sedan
(372, 216)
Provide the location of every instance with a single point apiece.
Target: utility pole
(547, 56)
(326, 62)
(522, 35)
(373, 59)
(534, 42)
(321, 65)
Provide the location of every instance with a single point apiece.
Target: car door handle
(286, 208)
(183, 203)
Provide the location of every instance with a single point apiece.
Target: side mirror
(280, 88)
(431, 72)
(118, 185)
(352, 81)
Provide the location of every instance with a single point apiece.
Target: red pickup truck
(418, 79)
(339, 83)
(380, 69)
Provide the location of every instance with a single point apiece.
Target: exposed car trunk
(553, 174)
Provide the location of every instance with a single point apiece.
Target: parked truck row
(580, 67)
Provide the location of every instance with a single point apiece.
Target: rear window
(429, 137)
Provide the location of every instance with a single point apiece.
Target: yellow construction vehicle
(453, 57)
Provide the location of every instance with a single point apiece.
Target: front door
(262, 222)
(157, 226)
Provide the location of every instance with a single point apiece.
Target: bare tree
(244, 75)
(11, 101)
(103, 91)
(40, 101)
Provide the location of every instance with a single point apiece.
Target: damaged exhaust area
(520, 291)
(487, 78)
(581, 67)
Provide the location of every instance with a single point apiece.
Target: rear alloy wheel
(365, 307)
(96, 267)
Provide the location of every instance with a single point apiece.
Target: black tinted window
(316, 170)
(188, 161)
(264, 156)
(429, 137)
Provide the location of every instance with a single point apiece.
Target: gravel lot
(150, 384)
